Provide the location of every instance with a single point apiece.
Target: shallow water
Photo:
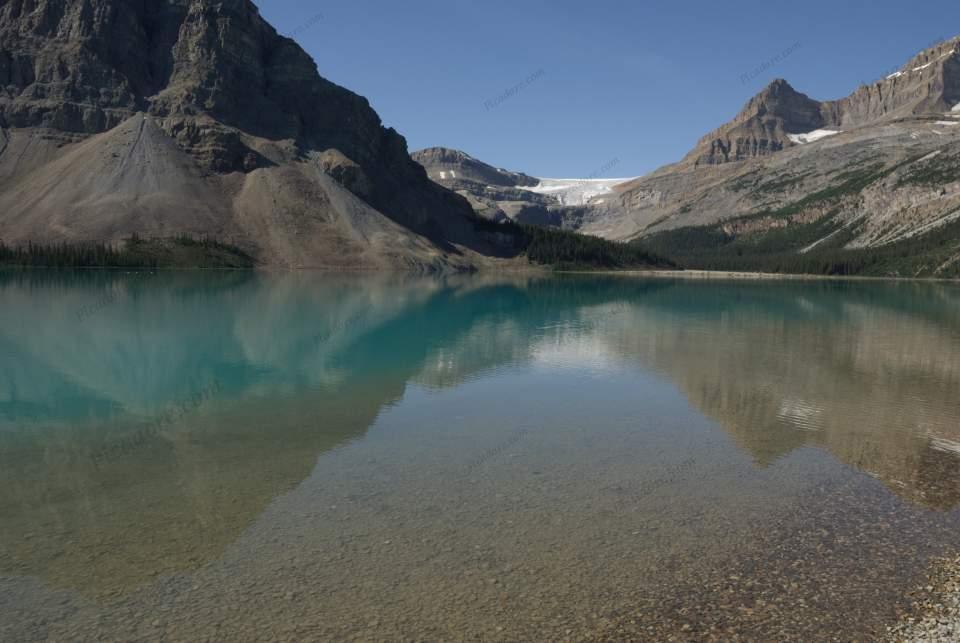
(259, 457)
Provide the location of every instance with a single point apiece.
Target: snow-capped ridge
(575, 191)
(812, 137)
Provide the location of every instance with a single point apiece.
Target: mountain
(501, 195)
(196, 118)
(446, 164)
(763, 127)
(780, 117)
(868, 184)
(495, 194)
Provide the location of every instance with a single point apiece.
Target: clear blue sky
(628, 81)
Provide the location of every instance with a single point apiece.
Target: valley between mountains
(867, 185)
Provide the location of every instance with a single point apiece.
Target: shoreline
(539, 270)
(753, 276)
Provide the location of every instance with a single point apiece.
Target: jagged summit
(444, 164)
(779, 116)
(928, 84)
(939, 54)
(762, 127)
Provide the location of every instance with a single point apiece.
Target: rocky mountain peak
(448, 165)
(777, 87)
(929, 84)
(780, 102)
(762, 126)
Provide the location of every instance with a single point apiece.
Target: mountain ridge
(293, 168)
(848, 186)
(928, 83)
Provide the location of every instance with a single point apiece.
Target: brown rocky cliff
(221, 82)
(927, 85)
(467, 168)
(762, 126)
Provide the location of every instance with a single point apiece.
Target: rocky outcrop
(494, 193)
(762, 128)
(444, 164)
(501, 195)
(929, 84)
(244, 105)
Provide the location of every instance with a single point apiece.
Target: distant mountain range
(187, 119)
(869, 184)
(501, 195)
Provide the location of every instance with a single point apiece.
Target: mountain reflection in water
(118, 466)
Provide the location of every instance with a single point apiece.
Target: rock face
(444, 164)
(791, 175)
(495, 194)
(762, 128)
(865, 188)
(501, 195)
(241, 113)
(928, 84)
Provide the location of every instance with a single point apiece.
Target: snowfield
(811, 137)
(575, 191)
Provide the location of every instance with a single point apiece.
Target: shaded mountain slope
(199, 118)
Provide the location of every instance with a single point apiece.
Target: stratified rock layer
(928, 84)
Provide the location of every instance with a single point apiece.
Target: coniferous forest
(133, 253)
(781, 251)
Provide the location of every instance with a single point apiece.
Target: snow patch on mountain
(575, 191)
(811, 137)
(898, 74)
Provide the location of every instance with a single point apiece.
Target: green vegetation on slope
(564, 250)
(787, 232)
(134, 253)
(550, 247)
(571, 251)
(935, 171)
(935, 254)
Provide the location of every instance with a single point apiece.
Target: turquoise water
(228, 456)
